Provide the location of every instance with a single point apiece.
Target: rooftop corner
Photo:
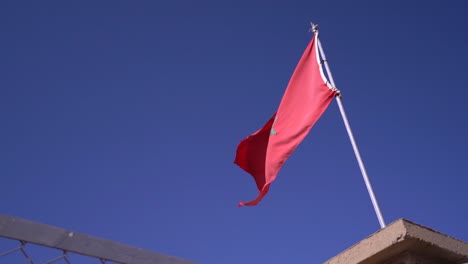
(404, 242)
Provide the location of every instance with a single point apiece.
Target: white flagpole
(351, 136)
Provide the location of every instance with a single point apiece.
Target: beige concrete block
(404, 242)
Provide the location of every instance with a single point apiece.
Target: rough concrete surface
(404, 242)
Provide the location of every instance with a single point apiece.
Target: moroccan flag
(307, 96)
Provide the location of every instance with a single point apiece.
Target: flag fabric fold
(307, 96)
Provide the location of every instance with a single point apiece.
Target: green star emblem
(273, 131)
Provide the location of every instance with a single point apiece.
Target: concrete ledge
(404, 237)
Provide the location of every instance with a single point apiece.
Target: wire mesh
(16, 251)
(25, 241)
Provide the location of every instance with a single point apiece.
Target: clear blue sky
(120, 119)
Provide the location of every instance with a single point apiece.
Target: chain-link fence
(23, 241)
(16, 251)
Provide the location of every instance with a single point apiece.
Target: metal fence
(24, 241)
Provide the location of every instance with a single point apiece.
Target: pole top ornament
(313, 27)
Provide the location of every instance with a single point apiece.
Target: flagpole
(350, 134)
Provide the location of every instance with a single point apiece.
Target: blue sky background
(120, 119)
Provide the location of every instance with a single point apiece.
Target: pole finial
(313, 27)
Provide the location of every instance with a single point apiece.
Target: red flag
(306, 98)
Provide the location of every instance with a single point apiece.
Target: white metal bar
(74, 242)
(353, 141)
